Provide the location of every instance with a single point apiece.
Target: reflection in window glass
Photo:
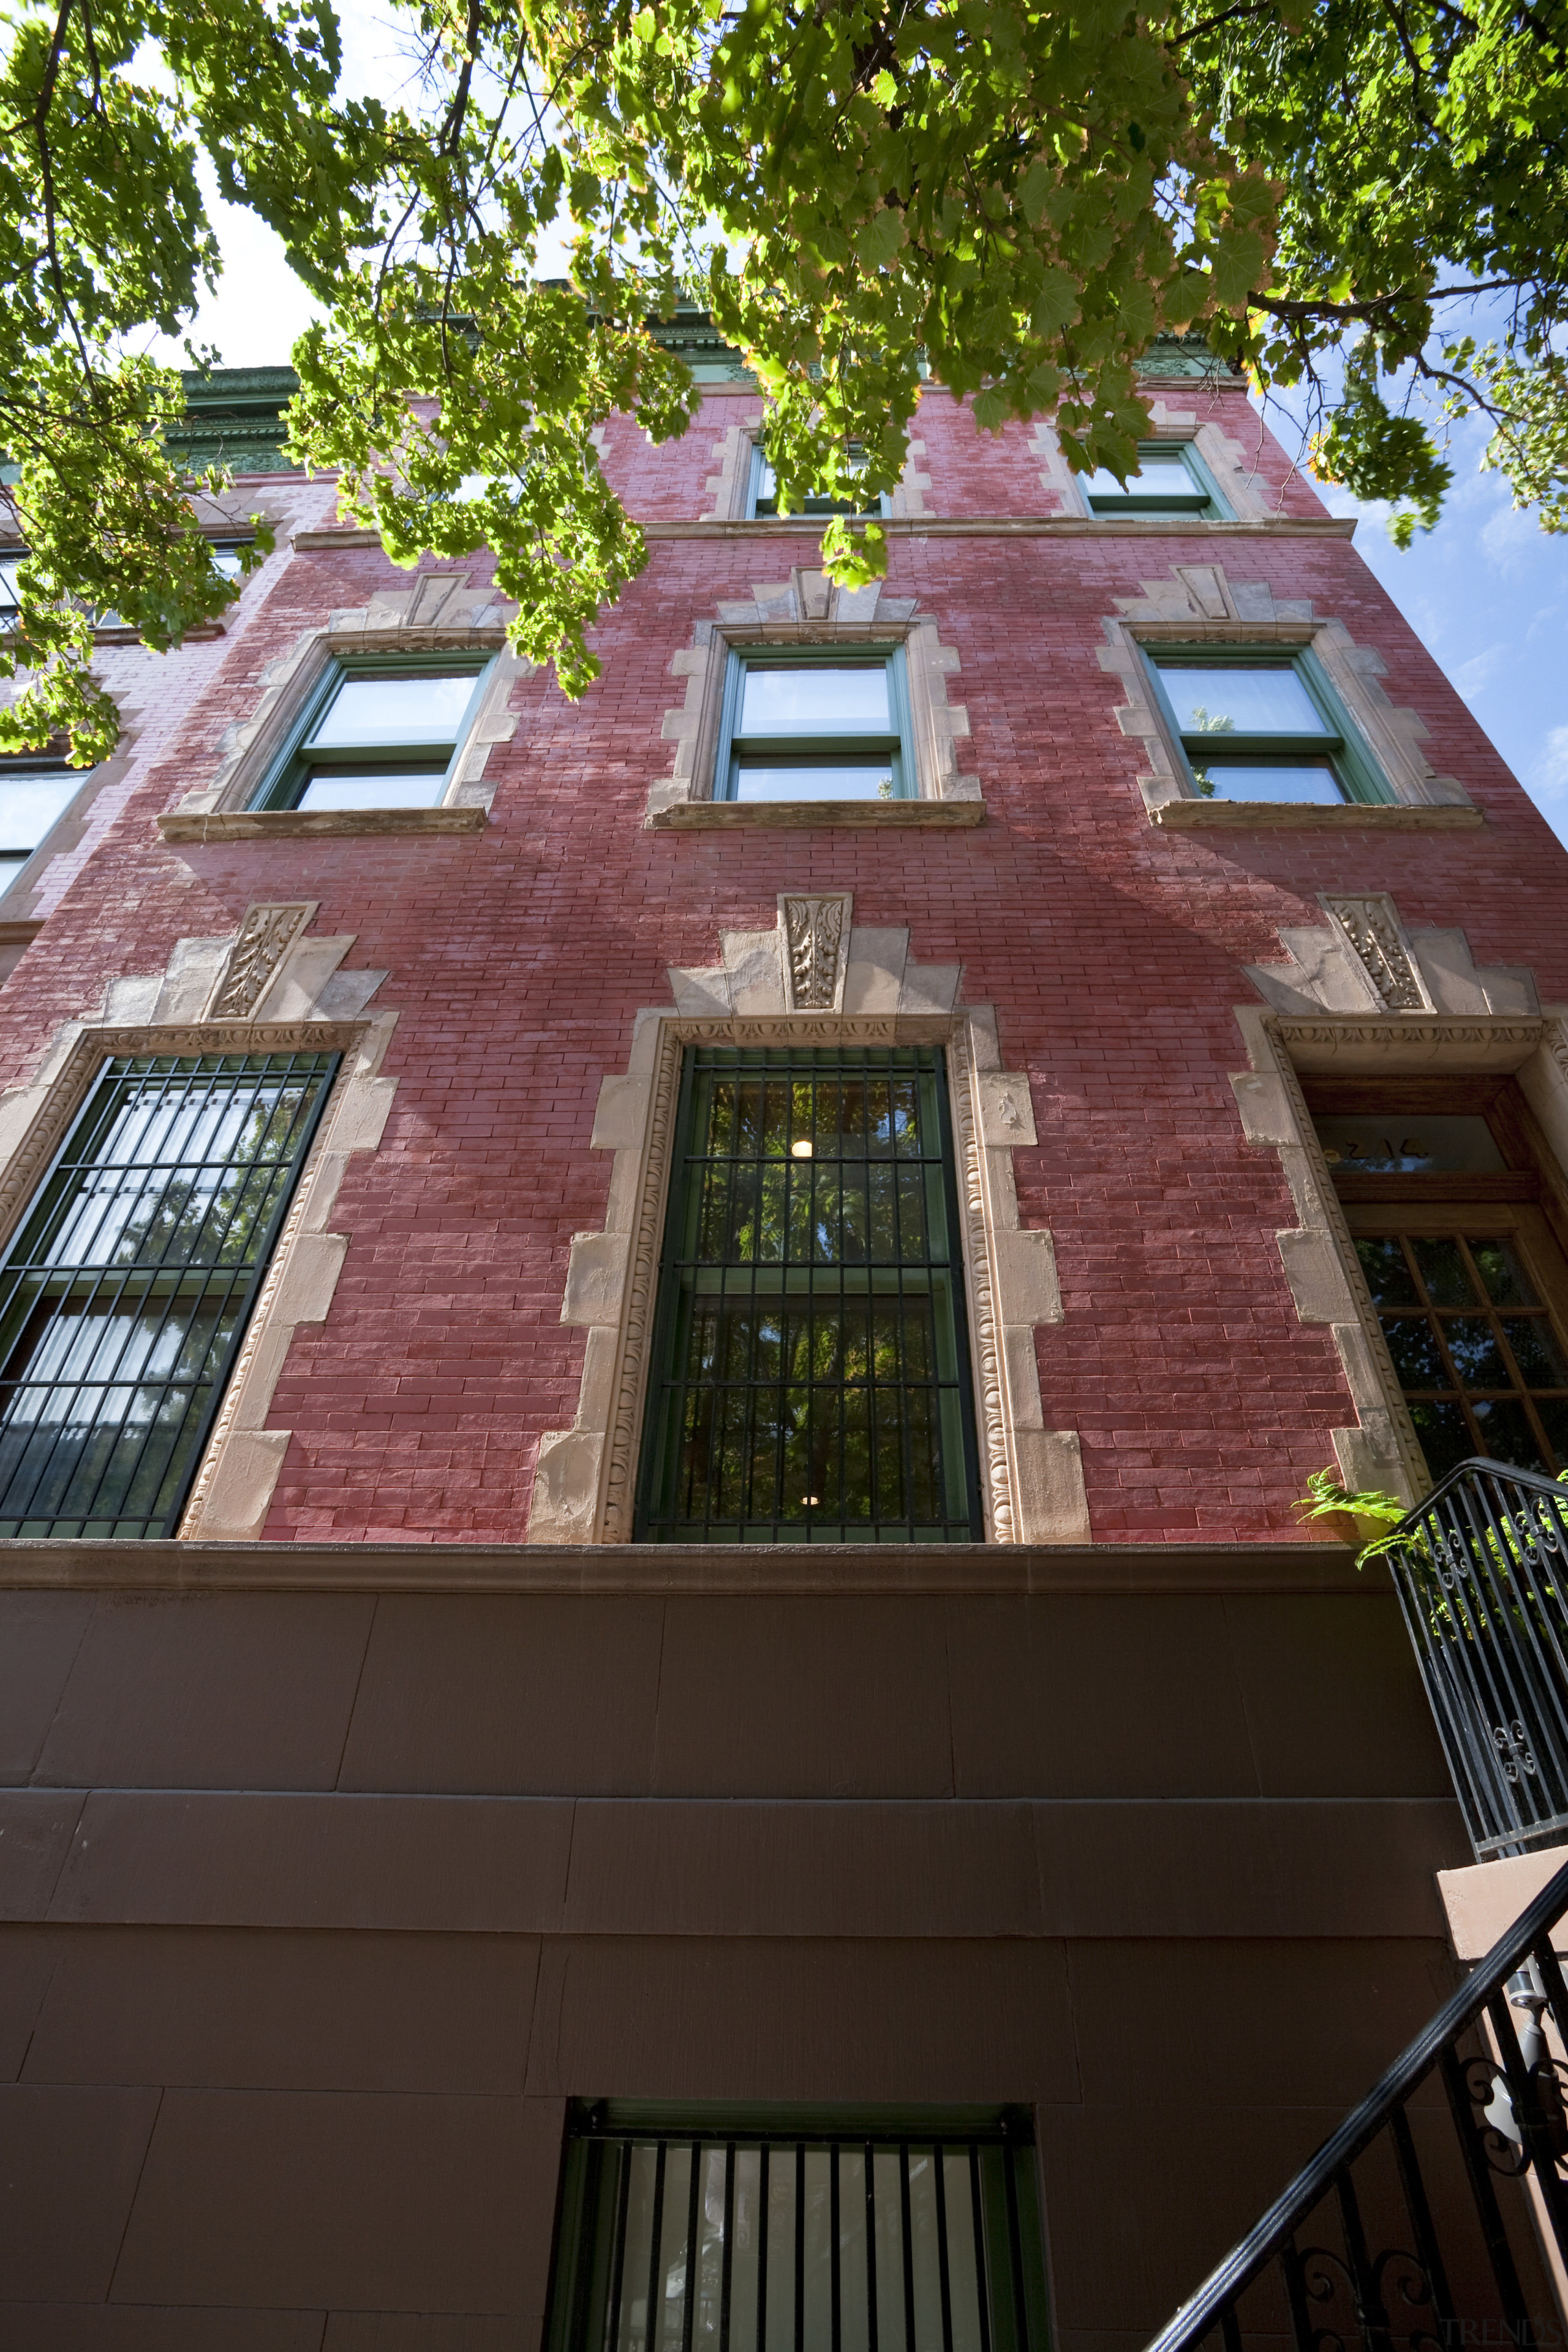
(10, 594)
(1476, 1381)
(1272, 780)
(30, 801)
(355, 789)
(1251, 698)
(1164, 475)
(810, 699)
(829, 780)
(1403, 1144)
(420, 709)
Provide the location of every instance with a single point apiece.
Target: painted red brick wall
(517, 959)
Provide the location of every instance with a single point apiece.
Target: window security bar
(126, 1290)
(1481, 1571)
(811, 1377)
(1401, 2231)
(864, 2239)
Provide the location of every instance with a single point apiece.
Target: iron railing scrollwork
(1405, 2233)
(1481, 1570)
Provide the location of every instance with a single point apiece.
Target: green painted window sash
(762, 510)
(289, 773)
(1339, 746)
(1205, 502)
(818, 750)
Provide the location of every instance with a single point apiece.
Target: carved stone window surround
(808, 610)
(1328, 973)
(303, 1004)
(1198, 604)
(729, 484)
(440, 614)
(1319, 1257)
(1031, 1476)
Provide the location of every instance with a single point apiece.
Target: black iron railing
(1481, 1570)
(1408, 2228)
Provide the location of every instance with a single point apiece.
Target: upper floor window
(712, 2229)
(1261, 727)
(1171, 480)
(811, 1381)
(33, 793)
(225, 554)
(764, 496)
(10, 594)
(379, 734)
(823, 725)
(125, 1292)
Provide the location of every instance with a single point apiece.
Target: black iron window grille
(811, 1372)
(126, 1289)
(718, 2231)
(1481, 1570)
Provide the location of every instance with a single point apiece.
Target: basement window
(379, 734)
(729, 2229)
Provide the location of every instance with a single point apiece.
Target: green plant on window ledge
(1327, 1498)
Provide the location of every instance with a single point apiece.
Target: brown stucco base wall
(322, 1903)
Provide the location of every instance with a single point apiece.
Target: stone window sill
(314, 824)
(1224, 816)
(745, 816)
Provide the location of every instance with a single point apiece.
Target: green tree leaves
(875, 200)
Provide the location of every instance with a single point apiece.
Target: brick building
(658, 1352)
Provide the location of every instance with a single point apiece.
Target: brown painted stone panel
(218, 1691)
(40, 1634)
(69, 2167)
(319, 1861)
(1334, 1700)
(219, 2007)
(671, 2017)
(1329, 1869)
(27, 1957)
(836, 1697)
(110, 2327)
(440, 2331)
(36, 1830)
(1304, 2023)
(299, 2197)
(738, 1869)
(1071, 1698)
(537, 1697)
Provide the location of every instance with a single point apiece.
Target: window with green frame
(763, 493)
(810, 1375)
(379, 734)
(777, 2230)
(1171, 480)
(126, 1290)
(818, 723)
(1261, 725)
(34, 793)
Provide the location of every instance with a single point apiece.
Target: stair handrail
(1528, 1940)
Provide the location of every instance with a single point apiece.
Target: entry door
(1473, 1301)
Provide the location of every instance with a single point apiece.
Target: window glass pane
(846, 779)
(10, 594)
(1235, 780)
(426, 709)
(814, 502)
(30, 801)
(1164, 475)
(1401, 1143)
(1242, 698)
(813, 699)
(813, 1384)
(126, 1289)
(226, 561)
(356, 790)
